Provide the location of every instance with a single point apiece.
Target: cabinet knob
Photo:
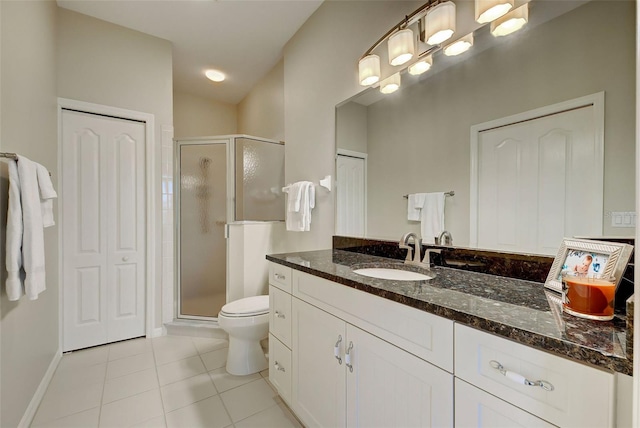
(336, 350)
(278, 367)
(125, 259)
(279, 276)
(518, 378)
(280, 315)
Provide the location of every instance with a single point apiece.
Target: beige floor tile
(208, 413)
(179, 370)
(178, 351)
(56, 405)
(83, 358)
(205, 344)
(129, 348)
(265, 373)
(182, 393)
(171, 341)
(215, 359)
(128, 365)
(224, 381)
(273, 417)
(85, 419)
(76, 378)
(131, 410)
(128, 385)
(158, 422)
(249, 399)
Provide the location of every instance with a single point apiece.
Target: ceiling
(242, 38)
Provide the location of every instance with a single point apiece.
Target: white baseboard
(30, 412)
(157, 332)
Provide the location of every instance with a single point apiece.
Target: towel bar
(451, 193)
(12, 156)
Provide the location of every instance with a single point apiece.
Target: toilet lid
(249, 306)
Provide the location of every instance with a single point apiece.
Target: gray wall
(28, 329)
(351, 127)
(197, 116)
(586, 51)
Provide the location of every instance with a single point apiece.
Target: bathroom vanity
(461, 349)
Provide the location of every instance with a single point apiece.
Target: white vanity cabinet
(555, 389)
(280, 330)
(353, 360)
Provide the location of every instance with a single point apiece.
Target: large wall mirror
(418, 139)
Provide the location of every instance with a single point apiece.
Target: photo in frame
(587, 257)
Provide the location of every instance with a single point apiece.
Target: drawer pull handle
(347, 357)
(336, 350)
(278, 367)
(518, 378)
(279, 315)
(279, 276)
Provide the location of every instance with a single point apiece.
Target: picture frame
(588, 257)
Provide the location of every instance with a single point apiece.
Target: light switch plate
(623, 219)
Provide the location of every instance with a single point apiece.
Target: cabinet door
(388, 387)
(476, 408)
(318, 376)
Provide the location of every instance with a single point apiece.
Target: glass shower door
(202, 220)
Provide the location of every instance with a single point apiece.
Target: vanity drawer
(280, 315)
(581, 396)
(280, 276)
(420, 333)
(280, 368)
(476, 408)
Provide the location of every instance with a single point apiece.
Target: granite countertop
(523, 311)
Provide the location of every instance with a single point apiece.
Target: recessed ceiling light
(215, 75)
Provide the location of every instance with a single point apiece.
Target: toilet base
(245, 357)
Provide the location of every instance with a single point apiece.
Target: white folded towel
(33, 236)
(414, 206)
(47, 193)
(432, 217)
(300, 202)
(13, 259)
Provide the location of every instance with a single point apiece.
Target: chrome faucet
(444, 239)
(426, 262)
(417, 243)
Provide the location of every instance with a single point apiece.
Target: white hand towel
(300, 202)
(33, 235)
(414, 206)
(47, 193)
(13, 259)
(432, 216)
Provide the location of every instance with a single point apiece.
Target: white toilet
(247, 323)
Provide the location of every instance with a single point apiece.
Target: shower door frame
(230, 155)
(230, 143)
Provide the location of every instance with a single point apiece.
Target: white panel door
(388, 387)
(103, 218)
(351, 195)
(538, 181)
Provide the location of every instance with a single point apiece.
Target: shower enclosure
(222, 180)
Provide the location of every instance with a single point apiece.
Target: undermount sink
(393, 274)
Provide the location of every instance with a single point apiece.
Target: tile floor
(168, 381)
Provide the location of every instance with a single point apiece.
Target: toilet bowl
(247, 323)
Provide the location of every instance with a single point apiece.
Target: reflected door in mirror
(351, 195)
(539, 181)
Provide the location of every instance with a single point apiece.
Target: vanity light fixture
(421, 66)
(369, 70)
(459, 46)
(390, 84)
(511, 22)
(490, 10)
(401, 47)
(440, 23)
(215, 75)
(440, 15)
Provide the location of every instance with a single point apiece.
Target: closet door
(103, 220)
